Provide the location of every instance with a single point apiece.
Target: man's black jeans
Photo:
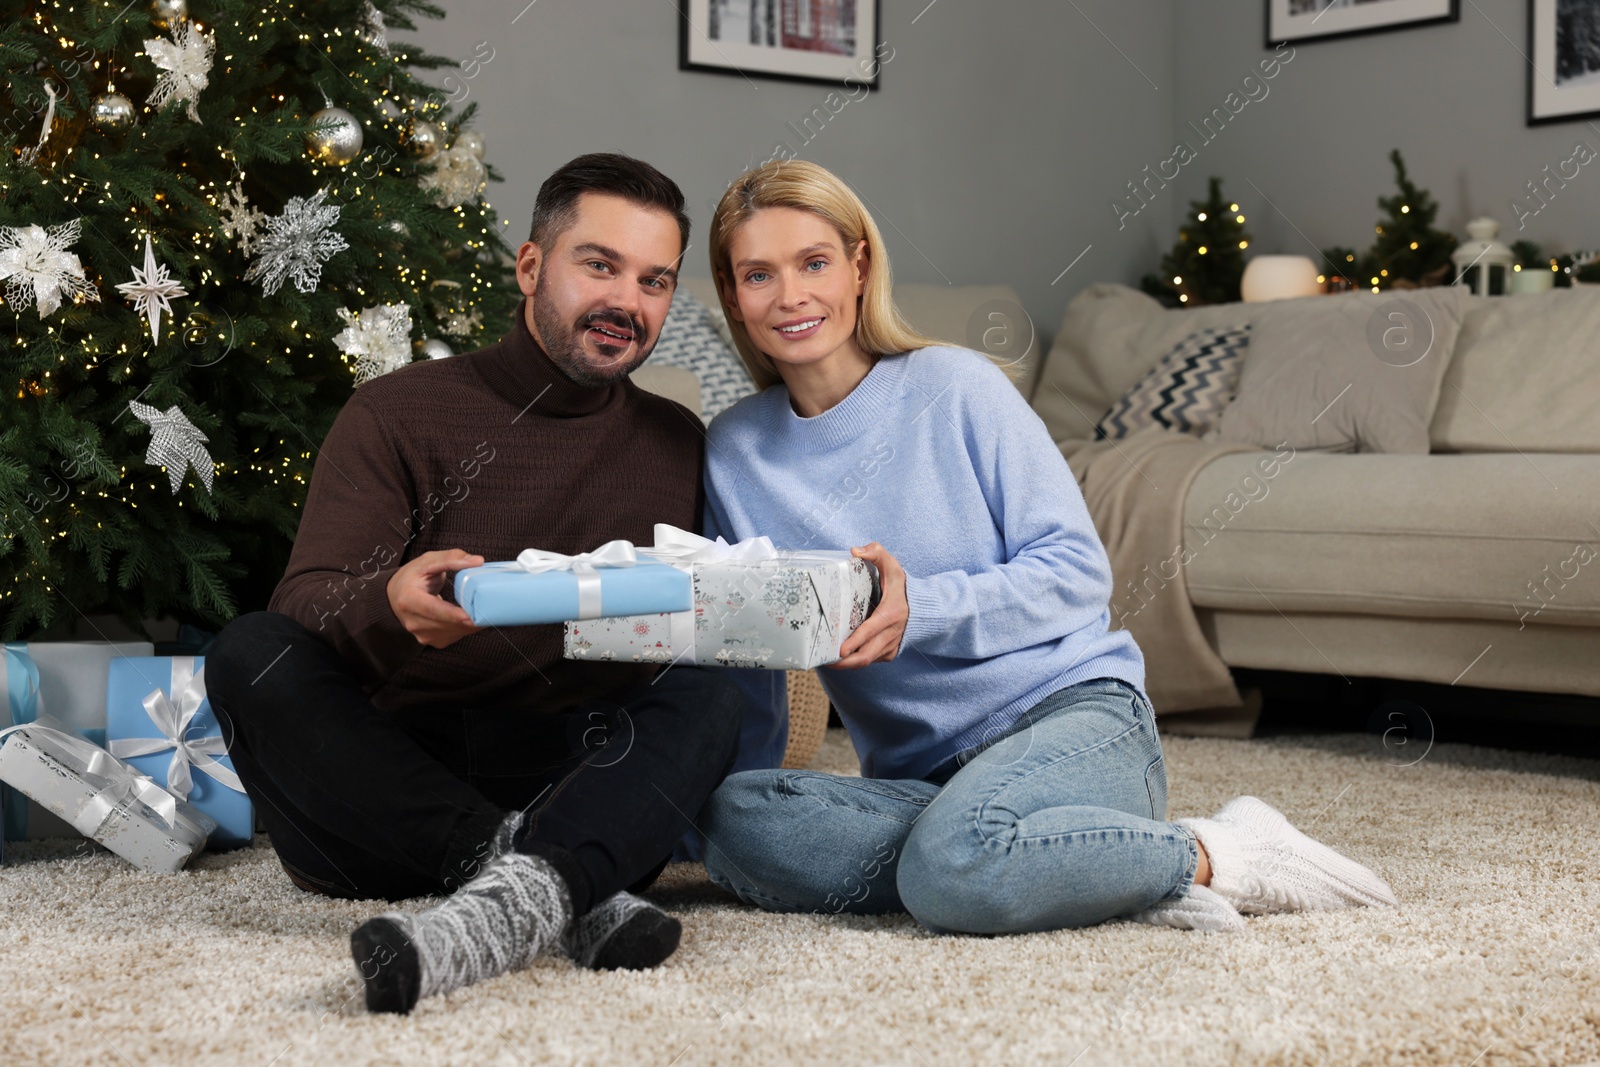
(367, 803)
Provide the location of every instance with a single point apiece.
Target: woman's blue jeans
(1058, 822)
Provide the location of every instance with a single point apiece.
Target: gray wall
(990, 153)
(1004, 128)
(1451, 97)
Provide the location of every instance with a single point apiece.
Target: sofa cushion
(1353, 372)
(1525, 375)
(690, 340)
(1496, 536)
(1186, 390)
(1110, 336)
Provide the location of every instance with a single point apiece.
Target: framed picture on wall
(826, 41)
(1321, 20)
(1564, 60)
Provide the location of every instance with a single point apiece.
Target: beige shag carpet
(1492, 958)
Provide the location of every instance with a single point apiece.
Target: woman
(1012, 774)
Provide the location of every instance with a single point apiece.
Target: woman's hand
(414, 597)
(879, 636)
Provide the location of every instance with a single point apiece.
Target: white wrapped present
(71, 689)
(102, 797)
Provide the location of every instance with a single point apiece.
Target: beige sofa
(1473, 565)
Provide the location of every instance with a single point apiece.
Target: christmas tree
(215, 223)
(1407, 252)
(1206, 264)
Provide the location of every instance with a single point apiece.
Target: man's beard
(563, 342)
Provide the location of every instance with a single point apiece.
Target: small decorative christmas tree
(1408, 251)
(1205, 266)
(1408, 248)
(1345, 267)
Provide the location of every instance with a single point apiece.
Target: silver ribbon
(583, 566)
(116, 784)
(172, 716)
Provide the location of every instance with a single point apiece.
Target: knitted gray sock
(622, 931)
(498, 922)
(500, 844)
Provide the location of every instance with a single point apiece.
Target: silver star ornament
(152, 290)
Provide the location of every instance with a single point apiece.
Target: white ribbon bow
(117, 783)
(610, 554)
(676, 545)
(172, 716)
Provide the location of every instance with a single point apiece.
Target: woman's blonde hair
(796, 183)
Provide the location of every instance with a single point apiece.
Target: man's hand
(879, 636)
(414, 596)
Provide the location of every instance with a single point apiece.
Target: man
(393, 748)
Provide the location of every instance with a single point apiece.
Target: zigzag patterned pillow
(1187, 388)
(691, 341)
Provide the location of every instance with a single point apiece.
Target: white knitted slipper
(1260, 864)
(1198, 909)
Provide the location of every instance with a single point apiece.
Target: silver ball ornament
(432, 348)
(426, 138)
(113, 112)
(168, 13)
(341, 143)
(472, 141)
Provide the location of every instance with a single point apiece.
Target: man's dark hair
(556, 207)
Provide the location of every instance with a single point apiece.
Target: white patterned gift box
(755, 606)
(102, 797)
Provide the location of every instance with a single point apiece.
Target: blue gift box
(509, 594)
(157, 712)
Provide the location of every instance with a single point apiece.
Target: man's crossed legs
(536, 823)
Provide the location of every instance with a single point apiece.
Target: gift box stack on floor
(106, 740)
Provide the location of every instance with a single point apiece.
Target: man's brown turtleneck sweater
(492, 451)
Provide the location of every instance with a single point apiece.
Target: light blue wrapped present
(159, 720)
(543, 587)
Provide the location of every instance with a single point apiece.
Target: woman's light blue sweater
(938, 457)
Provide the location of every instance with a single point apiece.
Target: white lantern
(1485, 253)
(1279, 277)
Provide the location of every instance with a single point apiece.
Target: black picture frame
(1542, 58)
(1453, 14)
(861, 68)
